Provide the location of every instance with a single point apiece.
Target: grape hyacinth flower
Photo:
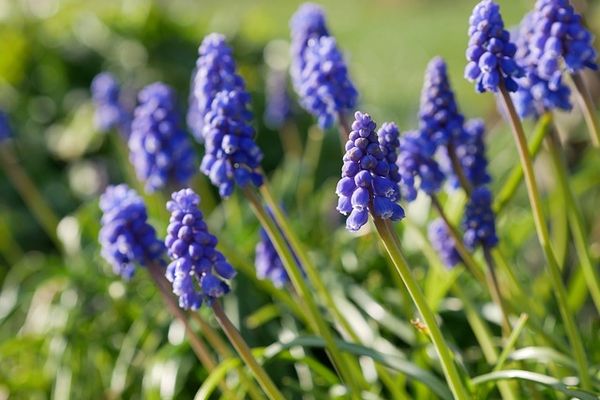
(279, 105)
(389, 140)
(110, 112)
(215, 71)
(479, 221)
(268, 263)
(126, 237)
(439, 117)
(365, 185)
(307, 23)
(471, 155)
(415, 160)
(5, 131)
(536, 95)
(198, 271)
(232, 156)
(325, 89)
(490, 52)
(558, 32)
(443, 242)
(160, 150)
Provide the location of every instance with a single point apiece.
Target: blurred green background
(68, 327)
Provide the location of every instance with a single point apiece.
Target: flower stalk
(544, 239)
(587, 108)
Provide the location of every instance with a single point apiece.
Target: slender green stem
(575, 220)
(313, 314)
(544, 239)
(392, 245)
(30, 194)
(245, 353)
(458, 169)
(290, 139)
(587, 108)
(495, 290)
(516, 175)
(310, 160)
(344, 129)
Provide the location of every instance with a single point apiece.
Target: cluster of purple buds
(160, 150)
(232, 156)
(5, 131)
(439, 117)
(536, 95)
(307, 23)
(215, 71)
(417, 167)
(268, 263)
(479, 222)
(366, 185)
(198, 271)
(443, 242)
(471, 154)
(110, 112)
(325, 88)
(126, 237)
(558, 33)
(490, 52)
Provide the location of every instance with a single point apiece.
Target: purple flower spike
(479, 221)
(306, 24)
(417, 167)
(325, 89)
(110, 113)
(160, 150)
(279, 105)
(536, 95)
(558, 33)
(490, 52)
(5, 131)
(126, 237)
(443, 243)
(215, 71)
(198, 271)
(268, 263)
(439, 117)
(232, 156)
(366, 185)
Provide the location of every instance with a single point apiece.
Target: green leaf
(215, 377)
(534, 377)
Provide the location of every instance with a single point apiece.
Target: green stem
(313, 314)
(495, 290)
(575, 220)
(587, 108)
(245, 353)
(458, 169)
(544, 239)
(290, 139)
(392, 245)
(516, 175)
(30, 194)
(310, 160)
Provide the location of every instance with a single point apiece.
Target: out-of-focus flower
(126, 237)
(110, 111)
(443, 243)
(160, 150)
(5, 131)
(479, 222)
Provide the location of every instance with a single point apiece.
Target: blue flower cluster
(490, 52)
(325, 89)
(126, 237)
(268, 263)
(279, 105)
(471, 154)
(443, 242)
(536, 95)
(160, 150)
(110, 112)
(389, 139)
(5, 131)
(558, 32)
(232, 156)
(215, 71)
(479, 222)
(439, 117)
(307, 23)
(415, 160)
(199, 272)
(365, 184)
